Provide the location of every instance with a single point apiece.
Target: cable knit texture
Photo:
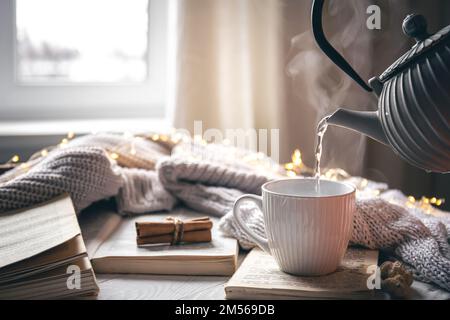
(143, 192)
(85, 173)
(83, 169)
(206, 186)
(209, 178)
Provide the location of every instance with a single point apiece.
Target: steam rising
(322, 83)
(319, 84)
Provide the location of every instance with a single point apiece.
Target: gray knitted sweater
(208, 179)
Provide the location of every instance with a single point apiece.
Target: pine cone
(395, 279)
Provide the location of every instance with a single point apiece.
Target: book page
(97, 223)
(122, 242)
(30, 231)
(260, 270)
(49, 259)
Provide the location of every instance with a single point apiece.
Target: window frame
(25, 101)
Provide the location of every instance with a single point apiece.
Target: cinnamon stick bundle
(174, 231)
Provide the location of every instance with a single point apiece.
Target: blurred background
(115, 65)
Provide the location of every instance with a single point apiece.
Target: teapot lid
(415, 26)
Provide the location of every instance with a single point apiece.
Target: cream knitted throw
(84, 170)
(209, 178)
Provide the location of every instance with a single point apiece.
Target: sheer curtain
(254, 64)
(230, 64)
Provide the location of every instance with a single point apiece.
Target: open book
(42, 255)
(111, 244)
(259, 277)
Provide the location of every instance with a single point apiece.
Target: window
(108, 45)
(80, 59)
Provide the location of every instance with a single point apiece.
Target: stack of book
(42, 254)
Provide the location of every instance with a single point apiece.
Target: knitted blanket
(85, 170)
(85, 173)
(209, 178)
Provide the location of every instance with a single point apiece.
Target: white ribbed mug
(308, 227)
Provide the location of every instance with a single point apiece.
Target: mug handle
(260, 241)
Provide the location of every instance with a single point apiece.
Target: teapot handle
(336, 57)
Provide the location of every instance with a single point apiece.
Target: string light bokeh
(295, 168)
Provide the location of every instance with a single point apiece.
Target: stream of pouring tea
(321, 129)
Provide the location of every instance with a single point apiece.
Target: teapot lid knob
(415, 26)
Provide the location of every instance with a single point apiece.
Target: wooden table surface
(153, 287)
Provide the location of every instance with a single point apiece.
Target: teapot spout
(365, 122)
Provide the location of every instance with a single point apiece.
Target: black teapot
(413, 116)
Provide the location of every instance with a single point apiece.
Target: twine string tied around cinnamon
(178, 230)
